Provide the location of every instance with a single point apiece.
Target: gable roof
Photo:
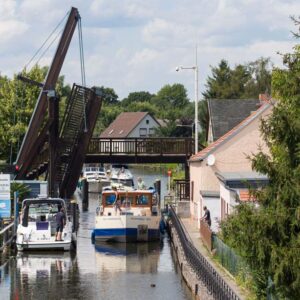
(123, 124)
(226, 137)
(227, 113)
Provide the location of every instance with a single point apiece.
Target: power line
(37, 52)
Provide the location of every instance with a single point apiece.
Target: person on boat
(60, 224)
(141, 184)
(117, 202)
(121, 171)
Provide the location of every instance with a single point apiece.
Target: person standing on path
(206, 216)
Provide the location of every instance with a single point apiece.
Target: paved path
(193, 231)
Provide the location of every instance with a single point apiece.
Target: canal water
(102, 271)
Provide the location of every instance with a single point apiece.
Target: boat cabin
(41, 213)
(129, 202)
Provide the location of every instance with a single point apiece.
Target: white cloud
(133, 45)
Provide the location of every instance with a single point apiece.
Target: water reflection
(128, 257)
(102, 271)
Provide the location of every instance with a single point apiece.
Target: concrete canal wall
(187, 272)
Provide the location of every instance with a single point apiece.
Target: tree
(109, 96)
(171, 97)
(143, 106)
(17, 101)
(242, 82)
(137, 97)
(260, 81)
(268, 237)
(16, 106)
(107, 115)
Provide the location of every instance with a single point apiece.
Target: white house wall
(231, 156)
(135, 133)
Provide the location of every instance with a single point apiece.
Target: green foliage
(242, 82)
(143, 106)
(109, 95)
(17, 101)
(22, 189)
(107, 115)
(172, 98)
(268, 236)
(16, 105)
(137, 97)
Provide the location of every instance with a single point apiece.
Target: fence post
(157, 185)
(85, 195)
(16, 213)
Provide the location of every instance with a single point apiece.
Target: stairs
(73, 141)
(71, 127)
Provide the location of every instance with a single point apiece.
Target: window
(143, 132)
(110, 199)
(142, 200)
(151, 131)
(147, 121)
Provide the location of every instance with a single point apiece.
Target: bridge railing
(140, 146)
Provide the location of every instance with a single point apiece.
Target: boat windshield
(42, 211)
(127, 200)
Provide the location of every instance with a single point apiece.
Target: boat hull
(63, 246)
(126, 229)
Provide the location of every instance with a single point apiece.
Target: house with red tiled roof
(131, 124)
(221, 173)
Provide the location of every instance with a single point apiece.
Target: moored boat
(121, 174)
(127, 216)
(96, 177)
(37, 228)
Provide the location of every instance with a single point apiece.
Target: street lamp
(195, 68)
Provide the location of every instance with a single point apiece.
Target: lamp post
(195, 68)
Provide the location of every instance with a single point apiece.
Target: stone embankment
(188, 274)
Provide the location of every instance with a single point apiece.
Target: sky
(136, 45)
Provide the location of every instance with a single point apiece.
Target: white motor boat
(37, 228)
(94, 174)
(127, 216)
(121, 174)
(96, 177)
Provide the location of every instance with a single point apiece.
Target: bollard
(85, 195)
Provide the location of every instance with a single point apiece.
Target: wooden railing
(206, 234)
(142, 146)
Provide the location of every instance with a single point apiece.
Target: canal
(101, 271)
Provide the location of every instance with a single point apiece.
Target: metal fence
(206, 273)
(228, 259)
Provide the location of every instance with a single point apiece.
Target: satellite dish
(211, 160)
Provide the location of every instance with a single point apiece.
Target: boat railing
(7, 235)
